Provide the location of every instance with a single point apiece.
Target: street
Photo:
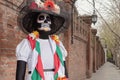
(107, 72)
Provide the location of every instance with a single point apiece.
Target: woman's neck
(43, 36)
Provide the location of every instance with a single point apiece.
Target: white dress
(23, 52)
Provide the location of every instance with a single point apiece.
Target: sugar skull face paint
(45, 21)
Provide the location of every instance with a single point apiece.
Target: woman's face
(43, 22)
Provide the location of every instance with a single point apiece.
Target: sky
(85, 7)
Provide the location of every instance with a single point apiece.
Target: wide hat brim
(26, 19)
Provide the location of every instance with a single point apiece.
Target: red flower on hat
(33, 5)
(49, 4)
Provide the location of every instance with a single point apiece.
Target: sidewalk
(107, 72)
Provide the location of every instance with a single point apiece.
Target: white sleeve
(63, 50)
(23, 50)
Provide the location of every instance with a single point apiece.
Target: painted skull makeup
(45, 21)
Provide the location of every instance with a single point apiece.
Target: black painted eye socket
(41, 17)
(48, 18)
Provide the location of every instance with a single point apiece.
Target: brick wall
(78, 48)
(10, 36)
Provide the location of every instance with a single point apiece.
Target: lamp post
(94, 15)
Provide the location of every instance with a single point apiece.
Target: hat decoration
(47, 5)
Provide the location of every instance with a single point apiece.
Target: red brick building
(85, 54)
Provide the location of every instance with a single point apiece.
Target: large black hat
(31, 10)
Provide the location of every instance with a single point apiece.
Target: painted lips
(45, 27)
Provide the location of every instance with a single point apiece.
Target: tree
(110, 30)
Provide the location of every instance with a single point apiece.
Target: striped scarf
(38, 73)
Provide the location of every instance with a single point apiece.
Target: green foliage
(109, 55)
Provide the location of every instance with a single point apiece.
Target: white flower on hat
(39, 3)
(54, 7)
(57, 9)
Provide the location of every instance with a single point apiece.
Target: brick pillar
(98, 49)
(99, 55)
(94, 32)
(88, 20)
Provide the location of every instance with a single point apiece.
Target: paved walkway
(107, 72)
